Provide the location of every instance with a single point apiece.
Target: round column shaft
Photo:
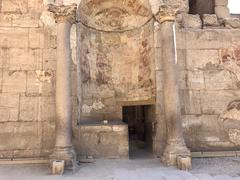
(65, 16)
(175, 151)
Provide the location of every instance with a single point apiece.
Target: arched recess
(114, 15)
(116, 46)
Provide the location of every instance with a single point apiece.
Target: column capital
(63, 13)
(166, 13)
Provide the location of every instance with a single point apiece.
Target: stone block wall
(27, 80)
(210, 97)
(209, 83)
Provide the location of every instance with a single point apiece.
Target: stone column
(221, 9)
(65, 16)
(175, 151)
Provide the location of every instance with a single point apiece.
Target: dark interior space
(201, 7)
(140, 134)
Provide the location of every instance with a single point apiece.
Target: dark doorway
(140, 133)
(201, 7)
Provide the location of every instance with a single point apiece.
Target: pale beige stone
(207, 39)
(221, 2)
(222, 12)
(218, 79)
(232, 23)
(13, 37)
(9, 107)
(22, 59)
(191, 102)
(210, 20)
(195, 80)
(24, 20)
(215, 102)
(29, 108)
(47, 108)
(191, 21)
(58, 167)
(39, 85)
(19, 135)
(36, 38)
(14, 81)
(199, 59)
(15, 6)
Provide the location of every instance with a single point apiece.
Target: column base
(177, 154)
(66, 154)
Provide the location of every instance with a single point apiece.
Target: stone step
(205, 177)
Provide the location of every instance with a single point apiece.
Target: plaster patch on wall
(97, 105)
(47, 19)
(233, 111)
(45, 76)
(230, 60)
(234, 136)
(212, 139)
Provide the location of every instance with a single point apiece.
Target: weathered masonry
(105, 78)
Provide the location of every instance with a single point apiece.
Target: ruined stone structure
(87, 78)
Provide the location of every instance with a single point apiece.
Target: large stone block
(103, 140)
(14, 37)
(15, 6)
(191, 21)
(215, 102)
(200, 59)
(202, 132)
(191, 102)
(49, 58)
(47, 108)
(27, 153)
(40, 83)
(221, 2)
(24, 20)
(36, 38)
(210, 20)
(22, 59)
(207, 39)
(29, 108)
(19, 136)
(222, 12)
(5, 20)
(181, 39)
(48, 137)
(9, 107)
(218, 79)
(14, 81)
(232, 23)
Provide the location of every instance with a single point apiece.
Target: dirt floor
(141, 169)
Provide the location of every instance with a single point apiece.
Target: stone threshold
(206, 154)
(212, 154)
(24, 161)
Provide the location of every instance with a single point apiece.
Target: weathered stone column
(176, 152)
(65, 16)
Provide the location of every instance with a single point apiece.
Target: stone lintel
(63, 13)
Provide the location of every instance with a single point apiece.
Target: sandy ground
(142, 169)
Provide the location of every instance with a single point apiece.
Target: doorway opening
(140, 131)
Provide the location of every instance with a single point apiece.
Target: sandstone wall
(209, 66)
(209, 87)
